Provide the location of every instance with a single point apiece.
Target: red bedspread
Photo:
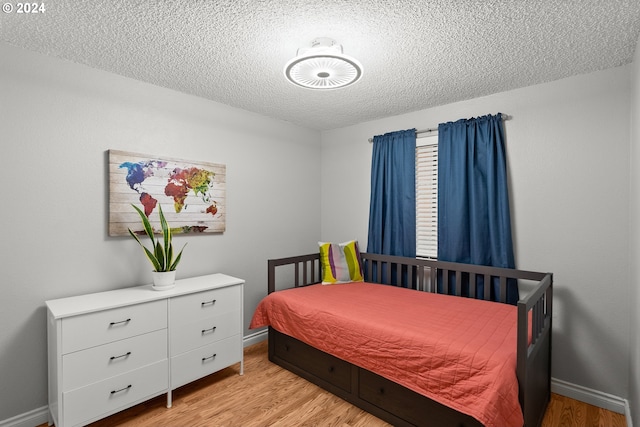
(457, 351)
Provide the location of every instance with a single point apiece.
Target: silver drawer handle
(128, 353)
(122, 389)
(118, 323)
(204, 359)
(202, 304)
(204, 331)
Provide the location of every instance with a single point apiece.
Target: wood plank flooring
(565, 412)
(267, 395)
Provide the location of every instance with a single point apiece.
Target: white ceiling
(415, 53)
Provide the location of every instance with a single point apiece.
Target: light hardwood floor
(267, 395)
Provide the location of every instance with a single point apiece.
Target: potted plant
(161, 255)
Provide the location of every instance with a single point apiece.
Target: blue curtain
(474, 222)
(392, 212)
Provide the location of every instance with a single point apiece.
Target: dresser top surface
(88, 303)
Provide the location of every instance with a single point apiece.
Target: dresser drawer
(89, 330)
(205, 360)
(99, 399)
(98, 363)
(206, 331)
(191, 308)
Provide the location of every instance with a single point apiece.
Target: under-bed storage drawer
(415, 408)
(324, 366)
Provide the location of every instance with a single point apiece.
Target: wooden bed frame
(393, 402)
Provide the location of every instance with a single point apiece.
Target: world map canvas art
(192, 194)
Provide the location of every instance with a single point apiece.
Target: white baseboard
(592, 397)
(255, 337)
(32, 418)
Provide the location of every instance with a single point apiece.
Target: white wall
(57, 121)
(568, 159)
(634, 252)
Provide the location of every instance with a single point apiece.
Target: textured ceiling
(415, 53)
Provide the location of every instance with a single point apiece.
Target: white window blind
(427, 196)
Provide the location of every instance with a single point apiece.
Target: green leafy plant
(162, 255)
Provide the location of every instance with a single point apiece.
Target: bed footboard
(534, 318)
(534, 351)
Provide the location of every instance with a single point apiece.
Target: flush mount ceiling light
(323, 66)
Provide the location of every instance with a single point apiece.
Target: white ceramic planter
(163, 280)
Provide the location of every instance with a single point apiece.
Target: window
(427, 195)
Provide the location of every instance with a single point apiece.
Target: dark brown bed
(390, 401)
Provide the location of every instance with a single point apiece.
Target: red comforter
(460, 352)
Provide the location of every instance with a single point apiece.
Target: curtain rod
(504, 117)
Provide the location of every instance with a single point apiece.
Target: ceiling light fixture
(323, 66)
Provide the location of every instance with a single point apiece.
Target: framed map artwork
(192, 194)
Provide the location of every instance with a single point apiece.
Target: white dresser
(112, 350)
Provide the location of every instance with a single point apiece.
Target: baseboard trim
(592, 397)
(32, 418)
(255, 337)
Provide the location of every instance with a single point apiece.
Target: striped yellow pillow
(340, 262)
